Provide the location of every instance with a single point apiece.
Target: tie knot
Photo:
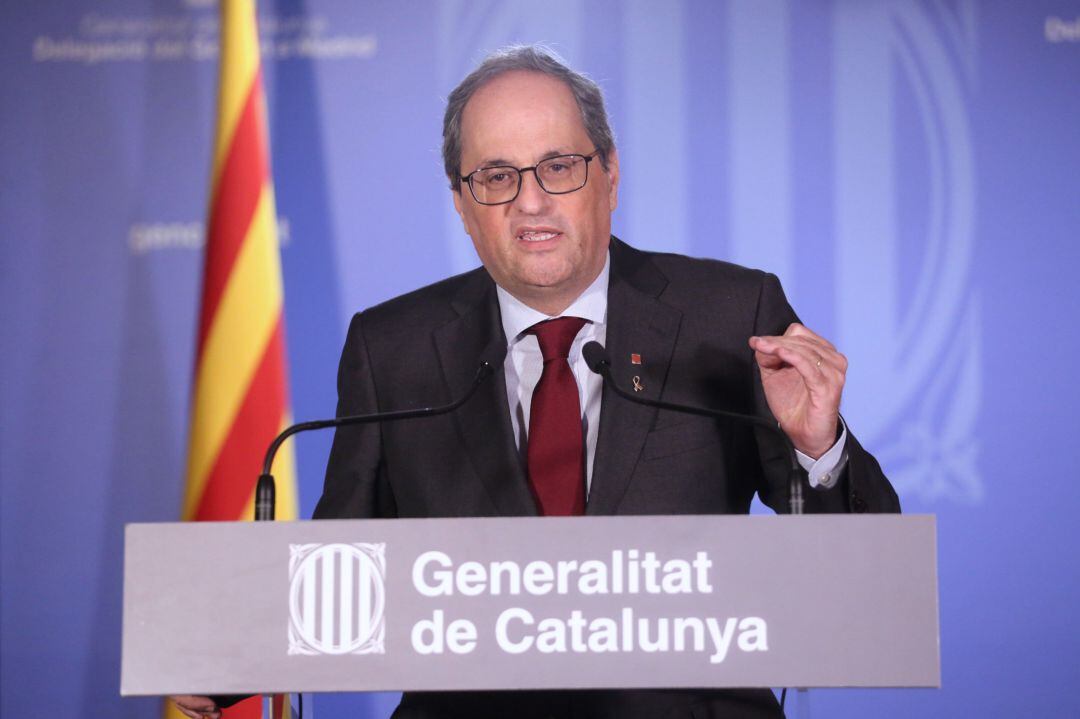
(555, 336)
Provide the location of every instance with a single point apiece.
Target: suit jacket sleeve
(863, 487)
(356, 485)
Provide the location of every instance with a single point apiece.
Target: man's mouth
(540, 236)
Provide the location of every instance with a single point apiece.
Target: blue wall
(910, 169)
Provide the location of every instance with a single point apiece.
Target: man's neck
(550, 306)
(554, 305)
(591, 304)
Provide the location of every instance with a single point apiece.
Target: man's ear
(612, 173)
(461, 213)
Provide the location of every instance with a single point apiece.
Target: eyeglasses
(559, 175)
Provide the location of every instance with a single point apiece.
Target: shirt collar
(590, 305)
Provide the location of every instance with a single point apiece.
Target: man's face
(543, 249)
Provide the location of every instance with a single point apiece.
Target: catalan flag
(240, 394)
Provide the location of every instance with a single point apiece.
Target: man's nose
(531, 197)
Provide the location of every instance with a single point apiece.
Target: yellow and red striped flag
(240, 395)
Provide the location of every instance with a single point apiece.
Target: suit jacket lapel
(638, 324)
(484, 421)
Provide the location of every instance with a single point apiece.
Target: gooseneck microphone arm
(597, 359)
(265, 493)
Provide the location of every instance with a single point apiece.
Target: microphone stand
(265, 489)
(597, 360)
(265, 492)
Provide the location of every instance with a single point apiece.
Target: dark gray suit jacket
(689, 320)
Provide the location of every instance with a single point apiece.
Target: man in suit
(535, 175)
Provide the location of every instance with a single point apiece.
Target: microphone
(265, 493)
(596, 358)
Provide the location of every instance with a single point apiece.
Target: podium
(530, 603)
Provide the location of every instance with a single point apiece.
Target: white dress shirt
(524, 364)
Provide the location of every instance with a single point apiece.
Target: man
(535, 176)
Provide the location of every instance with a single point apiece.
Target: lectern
(530, 603)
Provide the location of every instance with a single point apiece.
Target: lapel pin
(635, 358)
(638, 387)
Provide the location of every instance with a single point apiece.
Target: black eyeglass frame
(467, 179)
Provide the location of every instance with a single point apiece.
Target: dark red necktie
(556, 450)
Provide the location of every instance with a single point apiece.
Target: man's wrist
(824, 472)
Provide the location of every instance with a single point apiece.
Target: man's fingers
(197, 707)
(764, 344)
(765, 352)
(768, 360)
(799, 330)
(823, 355)
(798, 333)
(810, 366)
(197, 714)
(193, 714)
(821, 378)
(830, 358)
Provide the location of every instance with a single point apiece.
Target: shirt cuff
(825, 471)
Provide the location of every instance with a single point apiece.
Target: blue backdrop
(909, 169)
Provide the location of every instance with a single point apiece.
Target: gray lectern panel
(530, 603)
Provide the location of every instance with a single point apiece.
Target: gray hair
(529, 58)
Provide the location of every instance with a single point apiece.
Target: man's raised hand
(197, 707)
(803, 377)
